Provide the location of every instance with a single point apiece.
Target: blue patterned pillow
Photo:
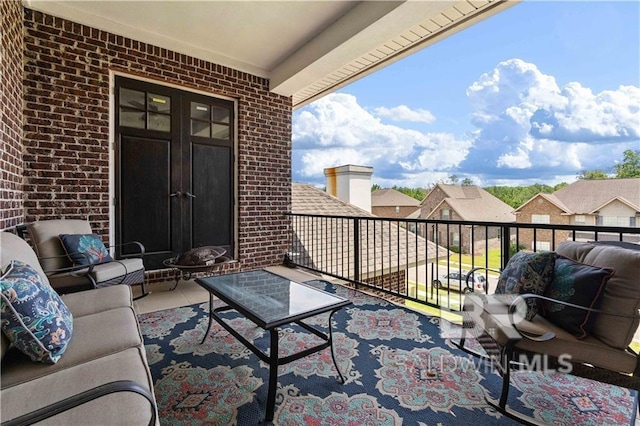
(85, 249)
(527, 273)
(32, 315)
(576, 283)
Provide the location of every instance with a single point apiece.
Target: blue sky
(534, 94)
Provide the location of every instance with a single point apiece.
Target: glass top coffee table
(270, 301)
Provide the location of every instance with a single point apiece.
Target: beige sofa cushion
(99, 300)
(44, 236)
(13, 247)
(94, 336)
(621, 294)
(123, 408)
(118, 268)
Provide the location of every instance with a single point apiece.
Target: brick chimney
(351, 184)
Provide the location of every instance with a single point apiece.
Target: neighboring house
(392, 203)
(603, 202)
(328, 245)
(468, 203)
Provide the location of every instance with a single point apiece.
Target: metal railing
(420, 260)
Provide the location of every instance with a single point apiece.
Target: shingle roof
(475, 204)
(318, 240)
(462, 191)
(586, 195)
(391, 197)
(549, 197)
(307, 198)
(475, 211)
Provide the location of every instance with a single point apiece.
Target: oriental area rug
(398, 371)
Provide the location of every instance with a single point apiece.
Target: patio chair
(598, 349)
(75, 259)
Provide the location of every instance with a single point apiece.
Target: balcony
(401, 259)
(398, 366)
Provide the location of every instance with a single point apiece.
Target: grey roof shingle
(475, 204)
(586, 195)
(328, 243)
(391, 197)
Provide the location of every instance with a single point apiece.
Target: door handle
(190, 195)
(176, 194)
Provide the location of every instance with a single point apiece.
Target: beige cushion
(13, 247)
(491, 315)
(94, 336)
(44, 236)
(98, 300)
(123, 408)
(118, 268)
(621, 294)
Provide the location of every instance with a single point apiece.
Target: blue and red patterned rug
(398, 370)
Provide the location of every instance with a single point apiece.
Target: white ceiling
(305, 48)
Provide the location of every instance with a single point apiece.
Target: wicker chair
(511, 342)
(67, 277)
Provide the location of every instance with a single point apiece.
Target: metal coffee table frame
(273, 359)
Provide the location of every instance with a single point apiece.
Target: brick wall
(393, 281)
(541, 206)
(66, 138)
(11, 165)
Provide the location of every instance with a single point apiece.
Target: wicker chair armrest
(82, 398)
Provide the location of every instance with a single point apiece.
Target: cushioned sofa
(101, 378)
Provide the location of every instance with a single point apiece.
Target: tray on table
(186, 269)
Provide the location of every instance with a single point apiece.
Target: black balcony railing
(421, 260)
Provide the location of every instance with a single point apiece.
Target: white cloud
(588, 117)
(336, 130)
(527, 129)
(404, 113)
(529, 126)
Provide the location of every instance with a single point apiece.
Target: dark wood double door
(174, 170)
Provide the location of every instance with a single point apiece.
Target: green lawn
(467, 260)
(440, 297)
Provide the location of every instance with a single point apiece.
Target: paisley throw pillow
(32, 315)
(527, 273)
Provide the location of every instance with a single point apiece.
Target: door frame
(112, 147)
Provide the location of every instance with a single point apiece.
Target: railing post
(506, 245)
(356, 250)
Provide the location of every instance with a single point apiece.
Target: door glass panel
(220, 131)
(159, 103)
(132, 98)
(220, 115)
(200, 128)
(200, 111)
(130, 118)
(160, 122)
